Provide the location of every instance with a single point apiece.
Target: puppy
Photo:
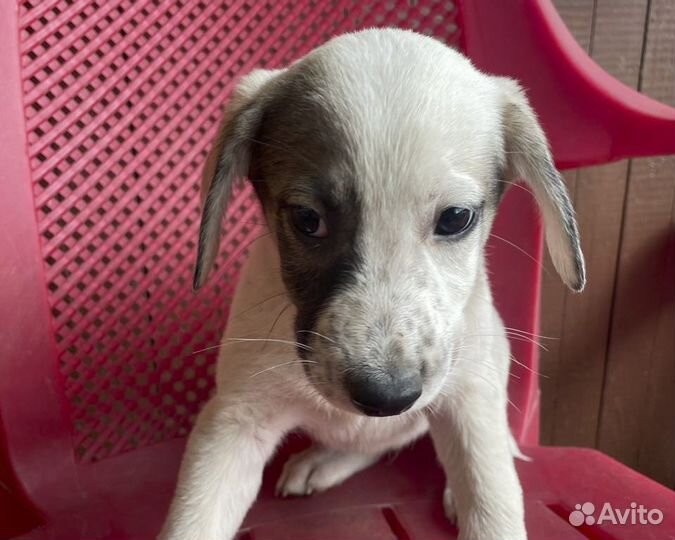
(365, 316)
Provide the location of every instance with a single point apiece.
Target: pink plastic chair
(107, 110)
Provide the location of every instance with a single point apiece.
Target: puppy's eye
(308, 222)
(454, 220)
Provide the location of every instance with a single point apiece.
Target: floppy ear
(528, 158)
(227, 162)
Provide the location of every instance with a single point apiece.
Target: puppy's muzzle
(383, 394)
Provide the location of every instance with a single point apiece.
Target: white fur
(414, 156)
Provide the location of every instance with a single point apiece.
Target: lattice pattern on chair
(121, 100)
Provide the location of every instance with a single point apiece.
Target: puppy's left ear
(227, 162)
(528, 158)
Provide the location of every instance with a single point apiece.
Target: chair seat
(401, 499)
(398, 499)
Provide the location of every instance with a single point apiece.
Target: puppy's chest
(354, 433)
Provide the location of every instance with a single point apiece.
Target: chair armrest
(589, 116)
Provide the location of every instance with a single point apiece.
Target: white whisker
(538, 336)
(517, 247)
(282, 365)
(513, 359)
(229, 341)
(515, 337)
(318, 334)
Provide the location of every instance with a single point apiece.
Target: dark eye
(454, 220)
(308, 222)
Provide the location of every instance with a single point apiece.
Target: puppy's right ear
(528, 158)
(227, 162)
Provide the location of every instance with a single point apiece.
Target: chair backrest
(108, 110)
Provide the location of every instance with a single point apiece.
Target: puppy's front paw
(317, 469)
(295, 478)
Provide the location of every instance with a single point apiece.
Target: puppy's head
(379, 160)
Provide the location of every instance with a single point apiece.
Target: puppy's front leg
(221, 471)
(471, 437)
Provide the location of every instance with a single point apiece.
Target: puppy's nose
(383, 395)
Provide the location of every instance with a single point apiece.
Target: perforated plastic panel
(121, 100)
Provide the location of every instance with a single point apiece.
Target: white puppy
(365, 316)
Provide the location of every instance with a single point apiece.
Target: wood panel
(578, 15)
(609, 379)
(571, 410)
(637, 424)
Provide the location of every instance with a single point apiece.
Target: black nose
(382, 394)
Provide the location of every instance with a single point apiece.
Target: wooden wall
(608, 380)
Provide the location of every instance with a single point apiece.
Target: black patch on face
(300, 157)
(311, 291)
(315, 272)
(499, 185)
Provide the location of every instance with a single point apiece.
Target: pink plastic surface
(107, 110)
